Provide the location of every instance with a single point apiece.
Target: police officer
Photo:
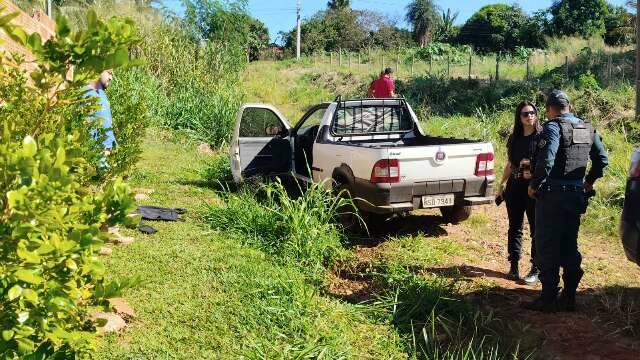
(559, 184)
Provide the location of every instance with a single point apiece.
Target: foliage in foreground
(50, 217)
(50, 230)
(298, 231)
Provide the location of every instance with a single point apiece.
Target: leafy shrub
(50, 228)
(134, 97)
(50, 218)
(588, 81)
(299, 232)
(443, 96)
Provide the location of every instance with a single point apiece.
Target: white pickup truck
(374, 148)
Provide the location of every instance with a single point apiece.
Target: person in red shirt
(383, 87)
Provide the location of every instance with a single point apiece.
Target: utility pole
(637, 61)
(49, 9)
(298, 28)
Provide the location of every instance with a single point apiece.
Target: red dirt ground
(604, 327)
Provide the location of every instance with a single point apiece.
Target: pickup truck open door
(260, 145)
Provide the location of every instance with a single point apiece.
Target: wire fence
(607, 66)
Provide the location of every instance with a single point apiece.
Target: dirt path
(606, 325)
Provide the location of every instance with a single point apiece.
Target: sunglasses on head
(527, 113)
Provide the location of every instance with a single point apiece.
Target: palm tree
(446, 25)
(338, 4)
(424, 16)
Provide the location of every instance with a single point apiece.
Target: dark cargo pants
(518, 204)
(557, 225)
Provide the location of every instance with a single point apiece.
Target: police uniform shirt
(548, 149)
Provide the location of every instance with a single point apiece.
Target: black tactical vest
(572, 158)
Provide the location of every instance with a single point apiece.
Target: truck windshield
(371, 119)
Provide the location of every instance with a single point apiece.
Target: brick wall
(37, 22)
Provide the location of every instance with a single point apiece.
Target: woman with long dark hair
(521, 149)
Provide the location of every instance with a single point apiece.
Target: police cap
(558, 98)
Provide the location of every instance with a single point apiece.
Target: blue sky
(280, 15)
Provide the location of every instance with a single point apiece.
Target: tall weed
(298, 231)
(435, 321)
(134, 97)
(200, 82)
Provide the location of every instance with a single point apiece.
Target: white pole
(298, 31)
(49, 9)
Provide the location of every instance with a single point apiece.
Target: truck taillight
(485, 165)
(386, 171)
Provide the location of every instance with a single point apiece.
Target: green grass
(204, 295)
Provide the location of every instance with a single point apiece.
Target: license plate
(438, 200)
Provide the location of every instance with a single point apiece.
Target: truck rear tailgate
(432, 163)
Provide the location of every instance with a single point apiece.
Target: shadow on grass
(411, 224)
(606, 323)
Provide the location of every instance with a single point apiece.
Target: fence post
(610, 69)
(383, 62)
(358, 60)
(398, 63)
(498, 56)
(349, 60)
(566, 67)
(430, 64)
(340, 57)
(470, 59)
(331, 58)
(527, 73)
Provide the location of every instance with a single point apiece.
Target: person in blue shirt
(103, 114)
(560, 184)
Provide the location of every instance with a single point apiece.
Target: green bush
(50, 218)
(588, 81)
(298, 232)
(50, 228)
(443, 96)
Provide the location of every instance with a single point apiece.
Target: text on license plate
(438, 200)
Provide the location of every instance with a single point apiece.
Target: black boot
(546, 303)
(514, 271)
(567, 300)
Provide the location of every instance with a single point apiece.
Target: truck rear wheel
(455, 214)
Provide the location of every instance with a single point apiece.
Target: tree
(258, 38)
(423, 16)
(579, 17)
(446, 30)
(498, 27)
(619, 25)
(339, 4)
(331, 30)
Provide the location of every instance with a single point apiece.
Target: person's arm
(599, 161)
(505, 177)
(548, 148)
(370, 93)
